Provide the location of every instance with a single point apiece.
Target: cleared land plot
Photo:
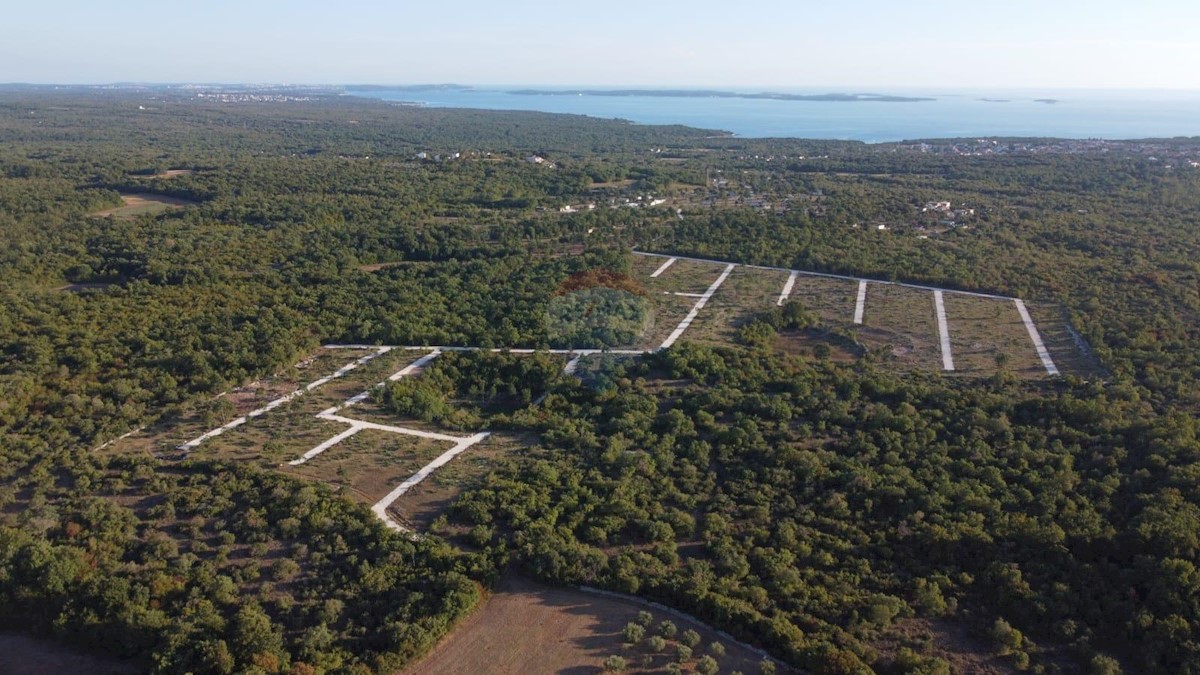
(372, 409)
(140, 204)
(683, 276)
(900, 322)
(813, 341)
(83, 288)
(526, 627)
(272, 439)
(952, 641)
(745, 294)
(612, 185)
(369, 464)
(336, 392)
(666, 313)
(985, 333)
(417, 508)
(643, 266)
(1067, 355)
(830, 299)
(167, 435)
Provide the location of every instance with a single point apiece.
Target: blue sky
(921, 43)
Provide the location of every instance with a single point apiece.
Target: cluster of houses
(947, 209)
(625, 202)
(425, 156)
(948, 218)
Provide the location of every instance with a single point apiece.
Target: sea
(951, 113)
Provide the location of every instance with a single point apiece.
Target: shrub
(707, 666)
(1104, 665)
(614, 664)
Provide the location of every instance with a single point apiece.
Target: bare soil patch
(947, 640)
(24, 655)
(529, 628)
(80, 288)
(169, 173)
(137, 204)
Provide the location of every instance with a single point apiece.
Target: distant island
(706, 93)
(408, 87)
(1049, 101)
(994, 100)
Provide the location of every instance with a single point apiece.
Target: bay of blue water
(960, 113)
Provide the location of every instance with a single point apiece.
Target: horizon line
(350, 84)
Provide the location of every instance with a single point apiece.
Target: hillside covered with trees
(811, 507)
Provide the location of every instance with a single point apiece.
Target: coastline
(869, 118)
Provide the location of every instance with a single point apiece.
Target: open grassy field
(1070, 359)
(900, 322)
(525, 627)
(666, 311)
(272, 439)
(369, 464)
(643, 266)
(987, 334)
(683, 276)
(141, 204)
(830, 299)
(745, 294)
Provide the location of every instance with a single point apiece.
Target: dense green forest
(809, 507)
(803, 505)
